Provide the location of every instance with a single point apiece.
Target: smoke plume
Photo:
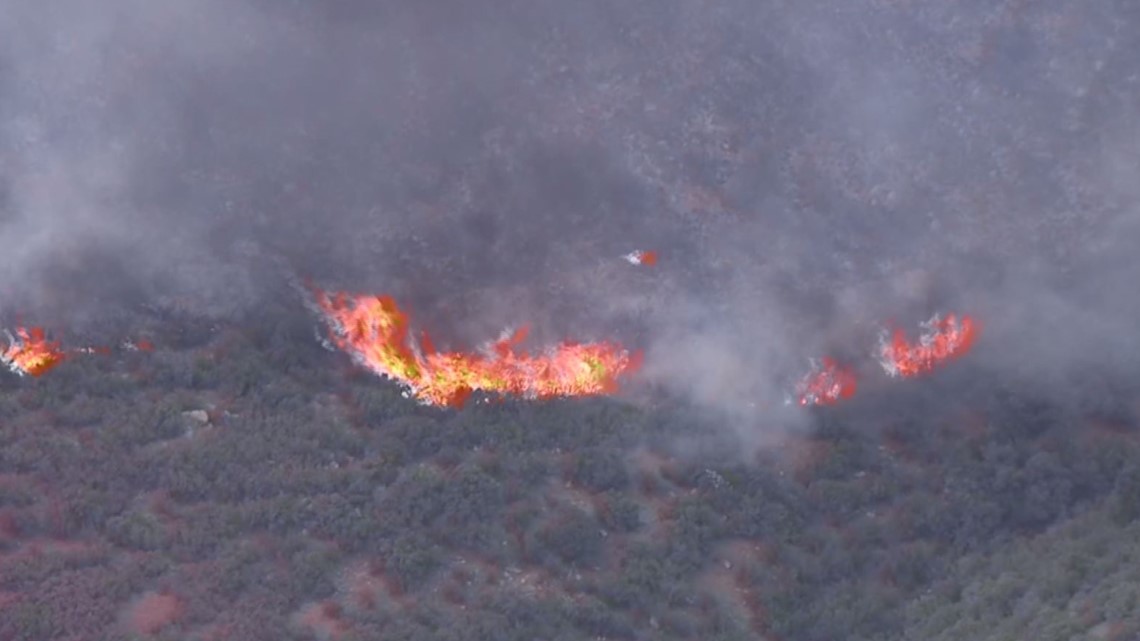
(807, 172)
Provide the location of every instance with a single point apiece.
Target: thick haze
(807, 170)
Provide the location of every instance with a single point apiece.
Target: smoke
(807, 171)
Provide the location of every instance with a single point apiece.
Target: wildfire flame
(942, 339)
(641, 257)
(141, 345)
(377, 334)
(827, 384)
(30, 353)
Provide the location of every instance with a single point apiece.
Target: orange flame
(641, 257)
(141, 345)
(374, 331)
(943, 339)
(827, 384)
(29, 353)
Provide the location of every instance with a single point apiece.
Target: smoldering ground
(808, 172)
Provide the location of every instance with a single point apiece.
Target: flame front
(942, 339)
(827, 384)
(376, 333)
(29, 353)
(641, 257)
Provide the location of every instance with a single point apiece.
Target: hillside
(256, 487)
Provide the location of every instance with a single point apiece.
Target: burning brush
(30, 353)
(942, 339)
(647, 258)
(826, 384)
(376, 333)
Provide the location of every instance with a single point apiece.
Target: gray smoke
(806, 170)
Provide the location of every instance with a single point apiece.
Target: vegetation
(314, 507)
